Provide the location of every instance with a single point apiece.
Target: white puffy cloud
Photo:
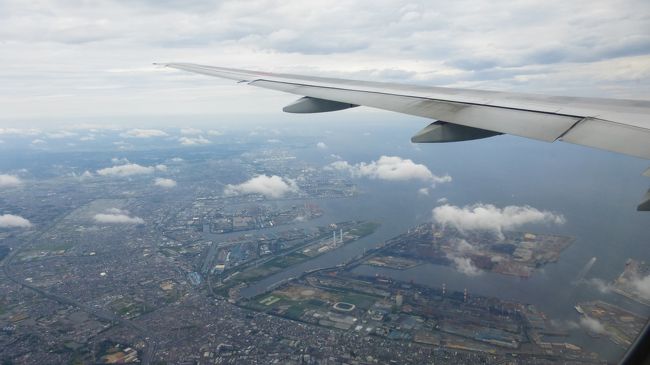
(269, 186)
(83, 176)
(391, 168)
(164, 183)
(13, 221)
(7, 181)
(126, 170)
(192, 141)
(593, 325)
(642, 286)
(117, 216)
(491, 218)
(143, 133)
(122, 160)
(321, 145)
(465, 265)
(161, 167)
(423, 191)
(442, 200)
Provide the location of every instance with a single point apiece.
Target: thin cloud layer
(391, 168)
(128, 169)
(117, 216)
(598, 48)
(190, 131)
(61, 134)
(14, 221)
(9, 181)
(164, 183)
(269, 186)
(491, 218)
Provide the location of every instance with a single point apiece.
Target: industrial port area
(516, 254)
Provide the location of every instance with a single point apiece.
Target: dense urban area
(114, 266)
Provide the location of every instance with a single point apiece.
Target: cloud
(269, 186)
(126, 170)
(188, 141)
(442, 200)
(491, 218)
(38, 141)
(593, 325)
(642, 285)
(423, 191)
(13, 221)
(390, 168)
(215, 133)
(321, 145)
(20, 131)
(116, 160)
(83, 176)
(461, 245)
(161, 167)
(60, 134)
(599, 284)
(117, 216)
(177, 159)
(143, 133)
(190, 131)
(594, 47)
(8, 181)
(465, 266)
(164, 183)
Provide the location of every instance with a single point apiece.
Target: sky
(70, 59)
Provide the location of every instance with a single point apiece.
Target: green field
(364, 229)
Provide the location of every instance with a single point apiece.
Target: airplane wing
(462, 114)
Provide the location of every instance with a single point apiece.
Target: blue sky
(64, 59)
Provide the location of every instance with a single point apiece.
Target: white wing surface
(611, 124)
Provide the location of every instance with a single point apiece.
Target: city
(116, 269)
